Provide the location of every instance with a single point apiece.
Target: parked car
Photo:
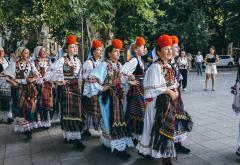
(226, 60)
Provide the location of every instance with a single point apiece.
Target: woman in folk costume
(26, 76)
(183, 122)
(67, 74)
(5, 91)
(134, 70)
(91, 105)
(236, 104)
(45, 93)
(160, 90)
(109, 84)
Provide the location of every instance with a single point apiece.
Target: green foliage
(219, 20)
(196, 33)
(136, 18)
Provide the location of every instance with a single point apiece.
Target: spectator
(211, 60)
(189, 59)
(183, 68)
(198, 62)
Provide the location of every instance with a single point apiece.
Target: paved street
(212, 141)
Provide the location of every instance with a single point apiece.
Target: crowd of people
(128, 105)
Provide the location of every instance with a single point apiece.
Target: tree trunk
(82, 38)
(89, 37)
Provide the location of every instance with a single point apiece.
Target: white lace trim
(91, 89)
(95, 132)
(39, 124)
(5, 115)
(136, 136)
(118, 144)
(146, 150)
(25, 127)
(46, 124)
(170, 154)
(72, 135)
(180, 138)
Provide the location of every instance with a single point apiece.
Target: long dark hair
(91, 51)
(109, 49)
(1, 68)
(213, 47)
(158, 49)
(65, 47)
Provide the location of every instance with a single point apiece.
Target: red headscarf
(140, 41)
(117, 43)
(71, 39)
(164, 40)
(174, 39)
(96, 44)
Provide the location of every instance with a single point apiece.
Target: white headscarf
(19, 51)
(154, 55)
(36, 52)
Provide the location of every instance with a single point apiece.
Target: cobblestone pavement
(212, 141)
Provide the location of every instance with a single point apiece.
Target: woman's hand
(131, 78)
(106, 87)
(59, 83)
(12, 81)
(173, 94)
(134, 82)
(66, 82)
(30, 80)
(148, 100)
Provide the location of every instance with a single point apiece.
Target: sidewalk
(212, 141)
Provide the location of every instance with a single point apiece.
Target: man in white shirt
(198, 61)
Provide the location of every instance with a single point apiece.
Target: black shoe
(86, 133)
(68, 141)
(166, 161)
(45, 128)
(106, 148)
(78, 145)
(28, 135)
(147, 157)
(122, 154)
(135, 142)
(238, 152)
(10, 121)
(182, 149)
